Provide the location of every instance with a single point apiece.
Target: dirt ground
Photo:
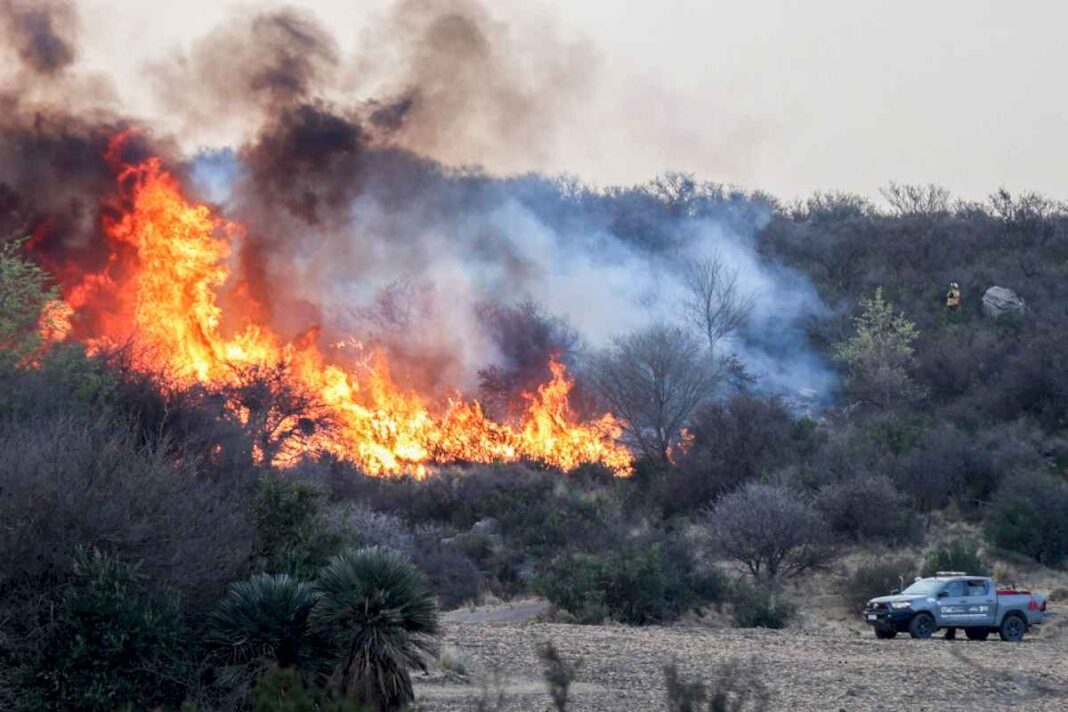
(818, 665)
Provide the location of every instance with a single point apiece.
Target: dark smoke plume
(357, 225)
(42, 32)
(451, 82)
(247, 70)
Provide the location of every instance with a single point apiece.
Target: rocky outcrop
(999, 302)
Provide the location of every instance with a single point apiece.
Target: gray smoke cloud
(42, 33)
(411, 257)
(351, 229)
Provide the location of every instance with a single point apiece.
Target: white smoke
(413, 274)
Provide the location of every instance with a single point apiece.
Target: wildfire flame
(168, 305)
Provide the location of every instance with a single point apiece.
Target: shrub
(371, 528)
(69, 482)
(760, 607)
(877, 577)
(383, 621)
(110, 642)
(960, 555)
(734, 688)
(935, 468)
(732, 443)
(640, 583)
(543, 516)
(24, 299)
(558, 674)
(67, 382)
(865, 508)
(1030, 516)
(455, 663)
(452, 577)
(576, 583)
(770, 530)
(283, 690)
(264, 622)
(291, 529)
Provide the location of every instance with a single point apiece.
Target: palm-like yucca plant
(265, 621)
(383, 619)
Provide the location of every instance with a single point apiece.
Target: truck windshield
(924, 588)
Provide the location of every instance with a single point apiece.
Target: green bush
(24, 297)
(877, 577)
(866, 508)
(265, 622)
(639, 583)
(761, 608)
(576, 583)
(382, 619)
(1030, 517)
(452, 577)
(960, 555)
(112, 643)
(282, 690)
(292, 534)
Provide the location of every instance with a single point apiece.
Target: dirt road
(840, 669)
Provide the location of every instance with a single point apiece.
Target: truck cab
(953, 599)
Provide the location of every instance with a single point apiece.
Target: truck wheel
(1012, 627)
(951, 633)
(922, 625)
(977, 633)
(885, 633)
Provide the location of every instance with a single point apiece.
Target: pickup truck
(950, 600)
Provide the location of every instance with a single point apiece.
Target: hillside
(287, 422)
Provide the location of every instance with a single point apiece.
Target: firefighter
(953, 296)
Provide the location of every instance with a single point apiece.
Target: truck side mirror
(943, 594)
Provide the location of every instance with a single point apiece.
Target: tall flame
(169, 306)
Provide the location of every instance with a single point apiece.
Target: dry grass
(827, 660)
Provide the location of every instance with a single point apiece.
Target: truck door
(980, 602)
(952, 604)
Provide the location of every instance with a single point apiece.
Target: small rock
(486, 526)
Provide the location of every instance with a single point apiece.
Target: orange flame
(168, 306)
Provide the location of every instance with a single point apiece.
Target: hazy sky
(788, 96)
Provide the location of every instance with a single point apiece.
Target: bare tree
(770, 531)
(714, 303)
(917, 200)
(280, 418)
(654, 379)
